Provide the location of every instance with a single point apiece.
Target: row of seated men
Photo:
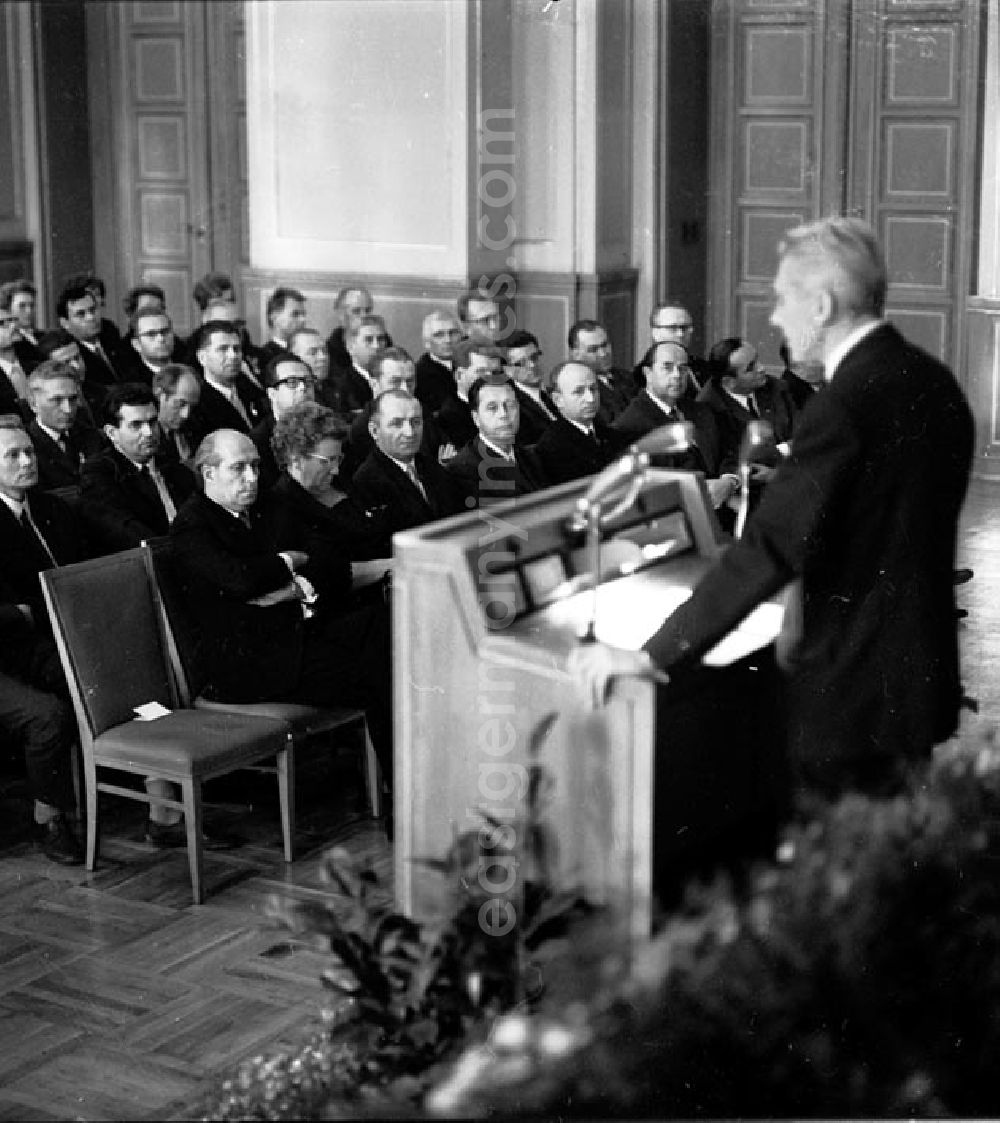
(304, 532)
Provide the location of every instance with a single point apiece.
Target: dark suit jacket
(349, 389)
(9, 401)
(435, 383)
(21, 559)
(360, 443)
(131, 367)
(454, 422)
(243, 652)
(62, 469)
(615, 394)
(379, 483)
(121, 505)
(28, 354)
(214, 412)
(865, 512)
(773, 405)
(564, 453)
(95, 370)
(800, 392)
(533, 419)
(644, 415)
(486, 478)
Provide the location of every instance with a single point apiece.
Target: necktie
(237, 404)
(415, 480)
(752, 405)
(103, 355)
(33, 532)
(160, 484)
(183, 445)
(19, 380)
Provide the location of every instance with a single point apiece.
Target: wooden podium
(486, 608)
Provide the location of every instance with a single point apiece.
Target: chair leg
(90, 790)
(191, 790)
(373, 777)
(286, 796)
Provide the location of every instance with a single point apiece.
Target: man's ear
(135, 342)
(825, 307)
(109, 431)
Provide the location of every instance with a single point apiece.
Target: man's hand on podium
(595, 666)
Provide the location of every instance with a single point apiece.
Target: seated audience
(260, 631)
(535, 406)
(126, 497)
(286, 313)
(38, 532)
(802, 379)
(108, 334)
(229, 400)
(492, 467)
(178, 392)
(413, 489)
(664, 399)
(352, 384)
(589, 344)
(435, 377)
(62, 347)
(578, 443)
(473, 359)
(289, 381)
(216, 300)
(62, 441)
(479, 315)
(78, 314)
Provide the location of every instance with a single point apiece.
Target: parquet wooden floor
(121, 1000)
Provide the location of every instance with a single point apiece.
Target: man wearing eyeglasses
(152, 336)
(524, 367)
(289, 380)
(670, 322)
(480, 317)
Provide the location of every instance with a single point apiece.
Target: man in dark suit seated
(391, 369)
(19, 297)
(578, 443)
(351, 382)
(492, 467)
(307, 344)
(663, 400)
(38, 531)
(412, 489)
(863, 516)
(61, 346)
(288, 381)
(62, 441)
(671, 322)
(286, 313)
(125, 496)
(177, 390)
(13, 379)
(589, 344)
(79, 315)
(435, 367)
(536, 408)
(473, 359)
(229, 400)
(353, 303)
(258, 639)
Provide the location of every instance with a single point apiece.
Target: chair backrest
(182, 637)
(107, 623)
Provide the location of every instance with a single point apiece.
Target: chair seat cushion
(189, 743)
(301, 720)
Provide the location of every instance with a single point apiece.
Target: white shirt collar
(585, 429)
(743, 399)
(496, 448)
(667, 409)
(54, 434)
(838, 354)
(440, 362)
(228, 392)
(402, 465)
(16, 507)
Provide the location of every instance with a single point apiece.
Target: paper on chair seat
(150, 711)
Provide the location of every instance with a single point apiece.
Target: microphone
(677, 436)
(758, 440)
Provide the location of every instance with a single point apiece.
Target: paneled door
(865, 107)
(153, 212)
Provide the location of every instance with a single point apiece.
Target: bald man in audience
(178, 390)
(412, 488)
(671, 322)
(62, 440)
(435, 367)
(578, 443)
(126, 497)
(492, 467)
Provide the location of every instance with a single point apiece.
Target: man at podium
(862, 517)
